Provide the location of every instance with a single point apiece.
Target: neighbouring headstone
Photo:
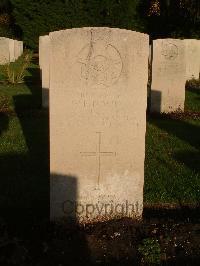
(12, 50)
(18, 49)
(168, 76)
(21, 47)
(6, 50)
(44, 56)
(192, 58)
(98, 98)
(9, 50)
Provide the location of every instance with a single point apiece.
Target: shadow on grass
(189, 158)
(193, 85)
(187, 132)
(192, 102)
(181, 213)
(24, 189)
(195, 96)
(176, 160)
(183, 130)
(31, 101)
(195, 91)
(4, 120)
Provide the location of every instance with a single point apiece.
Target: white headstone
(192, 58)
(21, 48)
(21, 45)
(98, 98)
(9, 50)
(18, 49)
(12, 50)
(44, 57)
(4, 50)
(168, 76)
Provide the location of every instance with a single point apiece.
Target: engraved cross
(98, 154)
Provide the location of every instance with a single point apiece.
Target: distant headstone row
(10, 50)
(97, 80)
(173, 63)
(168, 76)
(192, 58)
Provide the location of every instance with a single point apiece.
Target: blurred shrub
(4, 19)
(14, 73)
(5, 29)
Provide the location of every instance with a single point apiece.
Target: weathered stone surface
(9, 50)
(21, 48)
(5, 46)
(192, 58)
(18, 49)
(98, 94)
(168, 76)
(4, 50)
(44, 57)
(12, 50)
(21, 45)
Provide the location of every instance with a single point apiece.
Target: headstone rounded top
(98, 61)
(104, 29)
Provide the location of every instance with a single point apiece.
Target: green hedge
(40, 17)
(33, 18)
(7, 31)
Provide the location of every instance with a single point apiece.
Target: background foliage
(40, 17)
(160, 18)
(171, 18)
(6, 27)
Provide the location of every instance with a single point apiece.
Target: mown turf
(192, 102)
(22, 96)
(172, 164)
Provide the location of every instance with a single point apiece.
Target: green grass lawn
(25, 96)
(192, 102)
(172, 165)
